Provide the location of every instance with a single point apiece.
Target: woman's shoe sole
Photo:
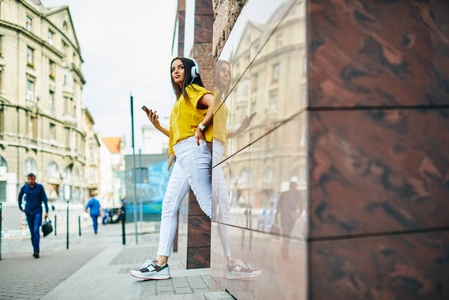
(144, 278)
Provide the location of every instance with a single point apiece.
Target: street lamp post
(134, 168)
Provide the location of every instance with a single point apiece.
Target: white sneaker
(238, 270)
(151, 270)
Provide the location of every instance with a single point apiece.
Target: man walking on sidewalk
(34, 196)
(95, 207)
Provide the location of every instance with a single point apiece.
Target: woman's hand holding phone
(152, 116)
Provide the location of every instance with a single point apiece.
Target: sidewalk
(96, 267)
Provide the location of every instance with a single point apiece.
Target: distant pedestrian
(95, 210)
(34, 196)
(122, 211)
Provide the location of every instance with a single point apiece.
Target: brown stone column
(180, 15)
(194, 226)
(198, 227)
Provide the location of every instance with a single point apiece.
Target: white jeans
(192, 168)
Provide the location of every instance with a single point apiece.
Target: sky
(126, 47)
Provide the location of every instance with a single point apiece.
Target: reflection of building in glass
(274, 87)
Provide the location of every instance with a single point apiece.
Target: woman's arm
(245, 124)
(154, 118)
(206, 100)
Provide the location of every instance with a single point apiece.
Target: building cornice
(44, 16)
(78, 72)
(32, 36)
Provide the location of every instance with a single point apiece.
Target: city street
(95, 267)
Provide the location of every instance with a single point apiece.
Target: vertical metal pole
(67, 224)
(79, 224)
(1, 214)
(140, 191)
(55, 225)
(123, 227)
(134, 168)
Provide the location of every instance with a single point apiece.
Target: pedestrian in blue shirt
(34, 195)
(95, 209)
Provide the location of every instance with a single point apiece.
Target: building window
(76, 177)
(65, 26)
(51, 69)
(64, 47)
(1, 76)
(1, 45)
(52, 132)
(279, 42)
(92, 175)
(29, 23)
(3, 166)
(33, 128)
(275, 72)
(273, 102)
(68, 175)
(66, 105)
(50, 37)
(30, 166)
(1, 121)
(67, 137)
(254, 82)
(53, 170)
(30, 90)
(51, 103)
(30, 57)
(253, 104)
(64, 71)
(73, 106)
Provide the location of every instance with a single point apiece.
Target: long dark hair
(222, 90)
(188, 65)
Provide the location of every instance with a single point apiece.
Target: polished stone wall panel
(198, 258)
(378, 171)
(199, 231)
(402, 267)
(363, 54)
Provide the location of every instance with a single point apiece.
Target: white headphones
(195, 71)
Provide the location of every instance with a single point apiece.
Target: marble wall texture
(331, 161)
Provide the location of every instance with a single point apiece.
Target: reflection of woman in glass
(236, 269)
(190, 129)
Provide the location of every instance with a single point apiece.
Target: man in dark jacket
(34, 195)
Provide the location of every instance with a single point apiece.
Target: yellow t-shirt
(220, 118)
(185, 121)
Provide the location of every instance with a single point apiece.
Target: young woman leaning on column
(189, 132)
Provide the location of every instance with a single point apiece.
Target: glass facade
(260, 154)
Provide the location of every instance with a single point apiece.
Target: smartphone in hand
(145, 109)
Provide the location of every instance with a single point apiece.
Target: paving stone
(48, 272)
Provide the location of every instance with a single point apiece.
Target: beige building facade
(42, 111)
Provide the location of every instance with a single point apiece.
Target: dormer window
(65, 26)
